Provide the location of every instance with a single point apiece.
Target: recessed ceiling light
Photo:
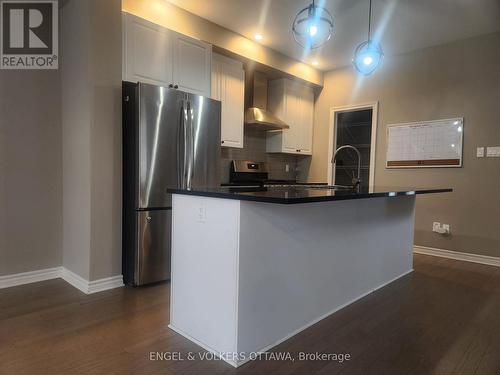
(258, 36)
(315, 63)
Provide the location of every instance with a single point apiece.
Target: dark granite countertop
(303, 194)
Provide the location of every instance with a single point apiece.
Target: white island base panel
(246, 275)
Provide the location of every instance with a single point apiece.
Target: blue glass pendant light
(368, 55)
(312, 26)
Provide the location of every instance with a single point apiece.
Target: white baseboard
(466, 257)
(75, 280)
(8, 281)
(105, 284)
(87, 287)
(268, 347)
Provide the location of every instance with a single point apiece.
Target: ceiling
(401, 25)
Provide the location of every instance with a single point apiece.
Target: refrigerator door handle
(187, 146)
(181, 155)
(192, 148)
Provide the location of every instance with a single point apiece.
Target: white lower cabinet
(293, 103)
(157, 55)
(228, 86)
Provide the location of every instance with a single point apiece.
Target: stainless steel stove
(247, 174)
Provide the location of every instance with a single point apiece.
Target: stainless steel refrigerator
(170, 138)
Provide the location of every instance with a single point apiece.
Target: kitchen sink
(310, 186)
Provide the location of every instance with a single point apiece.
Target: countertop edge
(301, 200)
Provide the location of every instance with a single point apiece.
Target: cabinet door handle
(298, 150)
(221, 141)
(176, 86)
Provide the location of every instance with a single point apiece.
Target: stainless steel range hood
(256, 114)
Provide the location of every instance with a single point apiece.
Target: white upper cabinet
(228, 86)
(192, 65)
(147, 51)
(307, 120)
(293, 103)
(156, 55)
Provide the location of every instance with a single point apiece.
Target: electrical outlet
(436, 227)
(493, 152)
(202, 215)
(445, 228)
(480, 152)
(440, 228)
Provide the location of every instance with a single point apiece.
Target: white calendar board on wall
(425, 144)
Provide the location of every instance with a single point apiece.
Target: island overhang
(299, 194)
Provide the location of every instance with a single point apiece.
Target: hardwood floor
(442, 319)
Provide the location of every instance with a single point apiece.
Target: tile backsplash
(255, 149)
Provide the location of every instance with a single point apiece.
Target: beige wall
(91, 122)
(76, 120)
(60, 151)
(177, 19)
(458, 79)
(106, 139)
(30, 171)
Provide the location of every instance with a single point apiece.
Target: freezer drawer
(153, 246)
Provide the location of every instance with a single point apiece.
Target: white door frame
(332, 142)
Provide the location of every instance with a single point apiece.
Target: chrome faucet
(356, 181)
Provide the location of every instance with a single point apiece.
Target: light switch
(480, 152)
(493, 152)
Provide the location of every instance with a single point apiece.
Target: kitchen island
(253, 267)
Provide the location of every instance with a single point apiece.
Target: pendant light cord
(369, 20)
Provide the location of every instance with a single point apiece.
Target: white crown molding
(466, 257)
(87, 287)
